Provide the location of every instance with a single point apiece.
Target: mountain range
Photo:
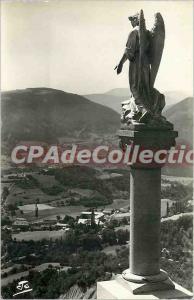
(48, 115)
(51, 116)
(181, 115)
(114, 97)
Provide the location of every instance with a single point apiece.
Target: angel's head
(134, 20)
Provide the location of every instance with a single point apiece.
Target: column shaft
(145, 203)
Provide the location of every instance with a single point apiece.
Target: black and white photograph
(97, 149)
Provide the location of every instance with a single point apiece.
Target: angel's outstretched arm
(124, 58)
(120, 65)
(130, 50)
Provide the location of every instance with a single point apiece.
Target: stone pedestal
(119, 288)
(144, 274)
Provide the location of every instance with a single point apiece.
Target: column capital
(147, 138)
(143, 135)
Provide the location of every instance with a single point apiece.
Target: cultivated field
(31, 207)
(39, 235)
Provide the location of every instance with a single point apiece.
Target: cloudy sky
(75, 45)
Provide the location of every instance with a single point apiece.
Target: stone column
(145, 203)
(145, 221)
(144, 279)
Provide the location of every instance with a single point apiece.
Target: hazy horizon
(182, 93)
(75, 45)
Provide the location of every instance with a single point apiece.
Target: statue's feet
(159, 121)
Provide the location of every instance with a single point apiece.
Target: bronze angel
(144, 50)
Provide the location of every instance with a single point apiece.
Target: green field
(31, 207)
(72, 211)
(39, 235)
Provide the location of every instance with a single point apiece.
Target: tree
(91, 242)
(109, 236)
(122, 236)
(58, 218)
(5, 192)
(12, 207)
(13, 213)
(93, 223)
(113, 223)
(5, 221)
(125, 221)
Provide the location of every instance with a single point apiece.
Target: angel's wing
(143, 82)
(142, 34)
(157, 46)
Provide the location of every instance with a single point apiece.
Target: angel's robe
(132, 53)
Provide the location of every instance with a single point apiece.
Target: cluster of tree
(15, 270)
(79, 238)
(5, 192)
(174, 235)
(5, 220)
(87, 269)
(113, 223)
(121, 183)
(112, 237)
(29, 182)
(179, 272)
(79, 177)
(69, 220)
(177, 191)
(177, 238)
(178, 207)
(83, 177)
(53, 190)
(12, 208)
(95, 201)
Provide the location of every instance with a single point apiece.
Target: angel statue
(144, 50)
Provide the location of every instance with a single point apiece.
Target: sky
(75, 45)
